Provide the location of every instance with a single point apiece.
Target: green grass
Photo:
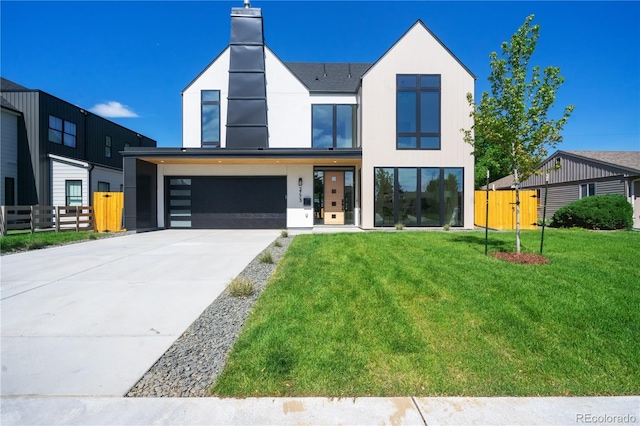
(28, 241)
(427, 314)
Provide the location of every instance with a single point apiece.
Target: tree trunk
(517, 184)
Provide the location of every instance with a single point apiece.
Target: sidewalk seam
(419, 411)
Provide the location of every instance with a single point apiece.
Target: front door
(334, 197)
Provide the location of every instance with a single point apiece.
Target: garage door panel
(220, 202)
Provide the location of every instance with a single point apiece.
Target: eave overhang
(327, 156)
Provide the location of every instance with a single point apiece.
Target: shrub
(610, 211)
(241, 287)
(277, 244)
(284, 234)
(266, 257)
(399, 226)
(446, 227)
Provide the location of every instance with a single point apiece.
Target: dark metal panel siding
(130, 194)
(146, 195)
(30, 155)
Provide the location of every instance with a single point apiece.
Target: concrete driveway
(89, 319)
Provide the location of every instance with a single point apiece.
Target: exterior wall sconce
(299, 181)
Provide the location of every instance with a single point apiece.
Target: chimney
(247, 100)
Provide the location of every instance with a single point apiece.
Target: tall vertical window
(107, 146)
(587, 190)
(333, 126)
(9, 191)
(73, 192)
(418, 196)
(418, 111)
(210, 100)
(62, 131)
(104, 186)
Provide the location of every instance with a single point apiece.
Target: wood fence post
(57, 218)
(32, 220)
(78, 218)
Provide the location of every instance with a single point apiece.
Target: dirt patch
(524, 258)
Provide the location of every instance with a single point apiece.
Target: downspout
(89, 169)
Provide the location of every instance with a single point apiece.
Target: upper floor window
(587, 190)
(107, 146)
(210, 100)
(104, 186)
(62, 131)
(418, 111)
(334, 126)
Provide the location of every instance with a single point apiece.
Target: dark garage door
(227, 202)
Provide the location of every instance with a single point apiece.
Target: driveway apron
(89, 319)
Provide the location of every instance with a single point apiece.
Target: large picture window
(418, 111)
(333, 126)
(418, 196)
(62, 131)
(210, 118)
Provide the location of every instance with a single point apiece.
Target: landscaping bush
(611, 211)
(241, 287)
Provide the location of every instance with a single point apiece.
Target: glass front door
(333, 197)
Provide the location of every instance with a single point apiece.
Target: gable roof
(420, 23)
(624, 159)
(10, 86)
(331, 77)
(8, 105)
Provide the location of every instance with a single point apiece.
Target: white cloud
(113, 109)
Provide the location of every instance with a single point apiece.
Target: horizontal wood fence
(108, 209)
(53, 218)
(502, 209)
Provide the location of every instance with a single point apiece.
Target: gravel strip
(189, 368)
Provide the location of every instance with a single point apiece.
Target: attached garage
(226, 202)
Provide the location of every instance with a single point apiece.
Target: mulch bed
(524, 258)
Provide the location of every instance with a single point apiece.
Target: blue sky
(136, 57)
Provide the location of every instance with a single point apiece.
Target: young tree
(513, 120)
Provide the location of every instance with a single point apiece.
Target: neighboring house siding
(63, 171)
(378, 106)
(33, 165)
(101, 174)
(9, 151)
(615, 186)
(562, 194)
(571, 169)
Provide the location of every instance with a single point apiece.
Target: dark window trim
(396, 193)
(334, 129)
(108, 143)
(9, 195)
(203, 143)
(64, 131)
(66, 191)
(108, 184)
(418, 89)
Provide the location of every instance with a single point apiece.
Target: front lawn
(21, 241)
(427, 314)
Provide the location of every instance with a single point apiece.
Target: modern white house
(269, 144)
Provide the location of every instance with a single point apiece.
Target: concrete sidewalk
(320, 411)
(90, 319)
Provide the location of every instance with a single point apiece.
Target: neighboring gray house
(582, 174)
(56, 153)
(273, 144)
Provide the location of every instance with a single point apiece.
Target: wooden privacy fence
(502, 209)
(58, 218)
(108, 208)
